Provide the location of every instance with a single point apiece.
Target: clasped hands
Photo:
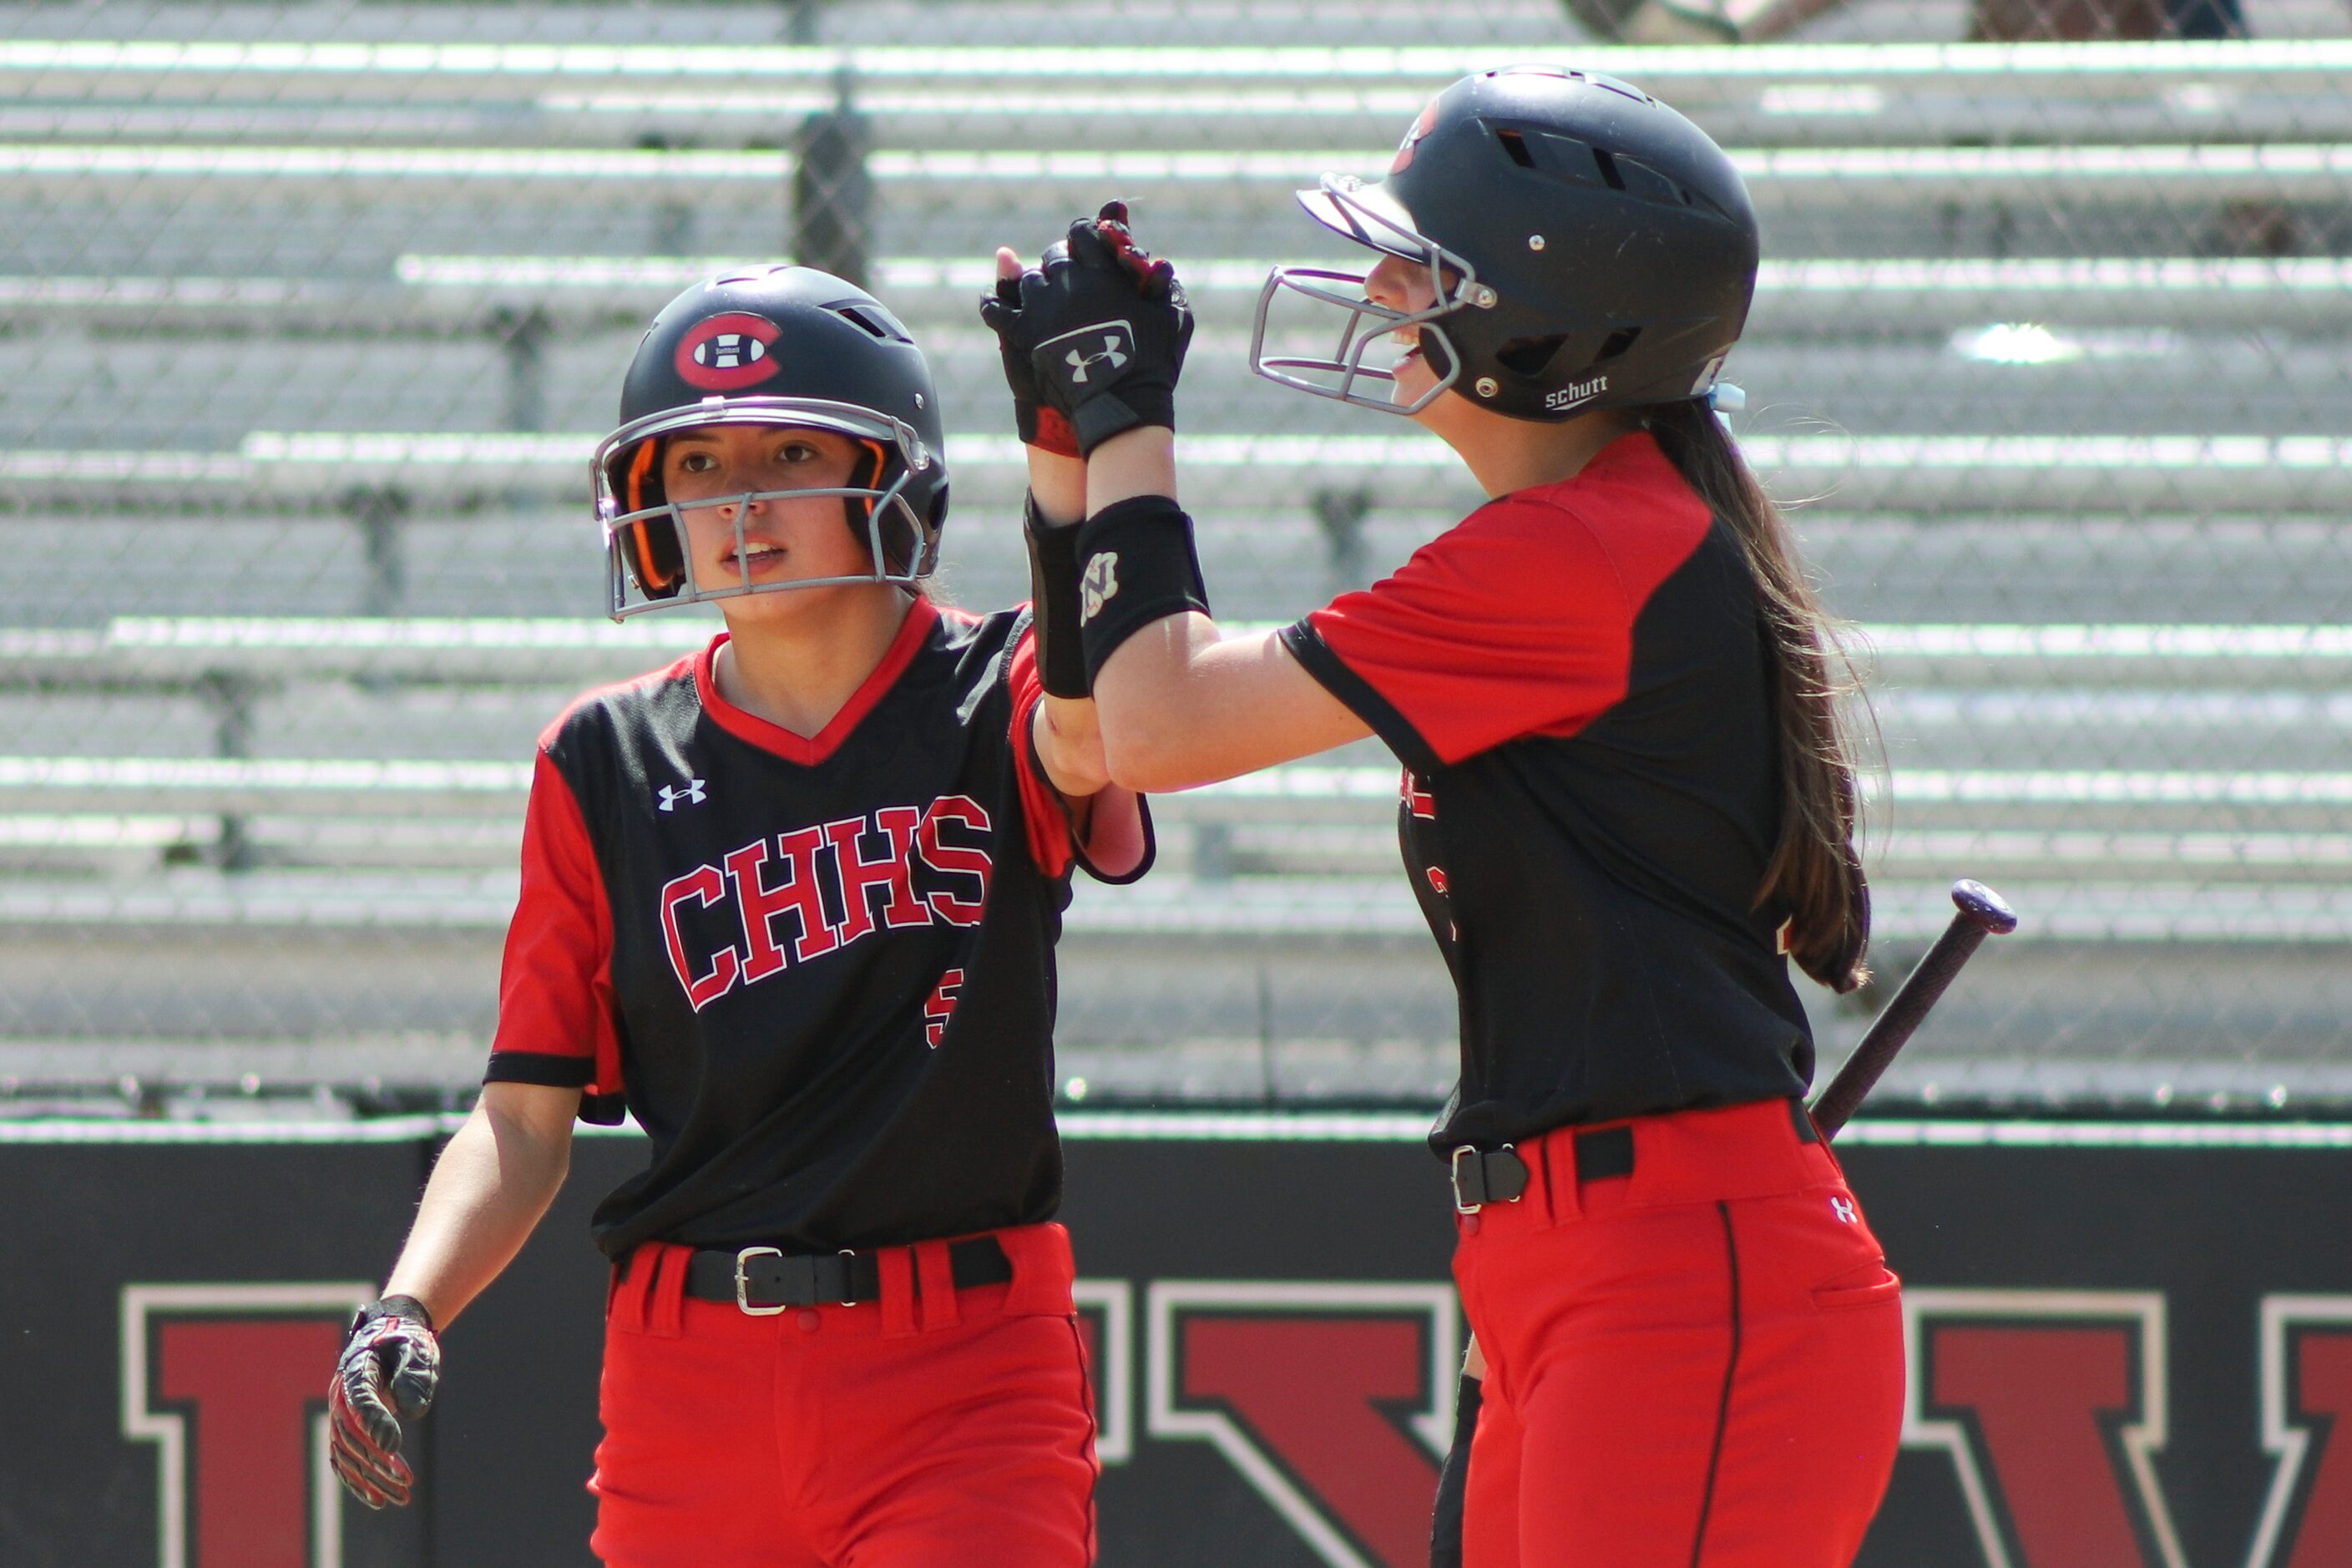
(1092, 338)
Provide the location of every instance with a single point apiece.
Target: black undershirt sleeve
(540, 1068)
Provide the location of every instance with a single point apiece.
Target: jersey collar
(804, 750)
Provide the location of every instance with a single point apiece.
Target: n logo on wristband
(1099, 586)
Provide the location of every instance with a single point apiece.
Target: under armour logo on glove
(1104, 325)
(692, 795)
(1110, 344)
(1079, 359)
(1098, 585)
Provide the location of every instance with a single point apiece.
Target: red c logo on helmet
(1420, 128)
(728, 352)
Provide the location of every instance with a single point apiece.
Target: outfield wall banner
(2130, 1344)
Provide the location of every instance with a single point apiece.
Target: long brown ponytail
(1815, 874)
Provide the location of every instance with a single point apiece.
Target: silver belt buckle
(743, 1286)
(845, 1300)
(1455, 1176)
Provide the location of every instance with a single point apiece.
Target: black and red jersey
(1576, 680)
(818, 972)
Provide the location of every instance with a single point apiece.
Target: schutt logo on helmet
(728, 352)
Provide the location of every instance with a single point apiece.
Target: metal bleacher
(308, 340)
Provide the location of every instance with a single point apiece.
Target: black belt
(766, 1279)
(1483, 1176)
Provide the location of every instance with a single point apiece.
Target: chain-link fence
(313, 314)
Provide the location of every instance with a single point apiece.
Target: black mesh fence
(310, 315)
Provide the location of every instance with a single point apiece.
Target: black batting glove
(389, 1367)
(1106, 325)
(1454, 1479)
(1041, 426)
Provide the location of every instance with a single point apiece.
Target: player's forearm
(1068, 737)
(1138, 462)
(1154, 706)
(487, 1190)
(1181, 706)
(1059, 485)
(1154, 692)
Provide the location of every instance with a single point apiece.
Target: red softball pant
(934, 1428)
(1698, 1365)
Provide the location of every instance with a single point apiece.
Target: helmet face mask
(788, 347)
(648, 563)
(1604, 246)
(647, 550)
(1453, 284)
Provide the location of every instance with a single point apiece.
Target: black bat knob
(1982, 913)
(1985, 908)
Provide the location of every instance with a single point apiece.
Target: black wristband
(1115, 413)
(1054, 593)
(1137, 565)
(392, 1307)
(1454, 1479)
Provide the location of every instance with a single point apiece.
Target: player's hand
(1040, 426)
(1106, 325)
(390, 1365)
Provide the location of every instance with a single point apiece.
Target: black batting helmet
(778, 345)
(1590, 249)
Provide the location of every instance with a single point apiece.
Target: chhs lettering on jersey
(794, 897)
(1417, 798)
(941, 1008)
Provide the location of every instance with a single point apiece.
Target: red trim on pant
(1699, 1365)
(934, 1425)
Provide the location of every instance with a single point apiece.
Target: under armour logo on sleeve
(1098, 585)
(692, 795)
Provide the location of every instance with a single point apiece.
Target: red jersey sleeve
(1110, 836)
(1518, 620)
(556, 1007)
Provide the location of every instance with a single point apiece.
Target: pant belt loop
(666, 1293)
(1554, 1177)
(631, 1277)
(897, 1268)
(937, 1278)
(1040, 1254)
(1813, 1148)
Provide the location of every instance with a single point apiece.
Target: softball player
(792, 901)
(1626, 802)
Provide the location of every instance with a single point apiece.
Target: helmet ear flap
(650, 546)
(655, 555)
(641, 485)
(866, 474)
